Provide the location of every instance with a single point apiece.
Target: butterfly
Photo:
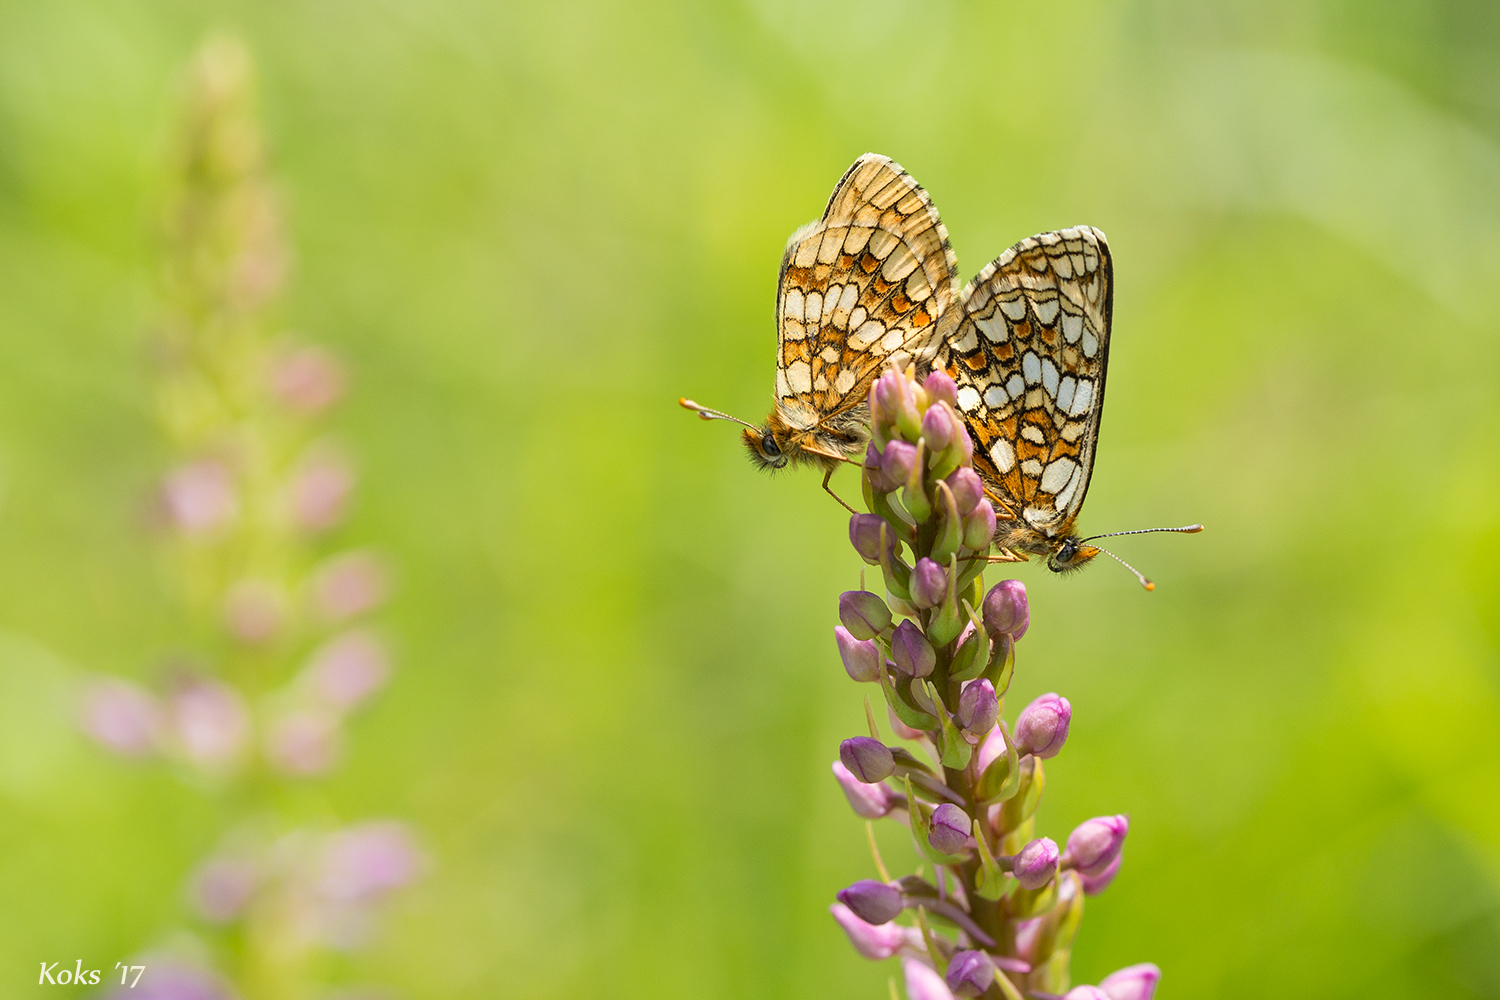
(864, 283)
(1026, 343)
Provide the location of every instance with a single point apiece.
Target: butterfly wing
(1028, 355)
(869, 278)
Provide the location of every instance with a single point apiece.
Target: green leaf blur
(530, 228)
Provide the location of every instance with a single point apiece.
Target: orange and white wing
(868, 279)
(1029, 355)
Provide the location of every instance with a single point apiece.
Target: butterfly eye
(769, 446)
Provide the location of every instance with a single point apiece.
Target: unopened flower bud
(874, 471)
(1093, 885)
(950, 829)
(864, 614)
(900, 728)
(979, 525)
(861, 656)
(308, 379)
(929, 584)
(864, 533)
(967, 487)
(1036, 863)
(1135, 982)
(1095, 843)
(873, 941)
(1042, 727)
(893, 403)
(970, 973)
(910, 650)
(873, 902)
(125, 717)
(1085, 993)
(897, 461)
(939, 427)
(978, 707)
(940, 386)
(867, 801)
(922, 982)
(1005, 609)
(200, 497)
(867, 759)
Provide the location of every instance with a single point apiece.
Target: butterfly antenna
(708, 414)
(1189, 529)
(1138, 574)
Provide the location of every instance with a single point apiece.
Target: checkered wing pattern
(1028, 354)
(869, 278)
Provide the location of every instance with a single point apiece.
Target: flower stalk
(1004, 915)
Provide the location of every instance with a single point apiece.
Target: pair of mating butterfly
(1026, 344)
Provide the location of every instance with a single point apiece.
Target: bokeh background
(529, 228)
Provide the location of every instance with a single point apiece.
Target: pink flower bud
(864, 535)
(122, 716)
(940, 386)
(350, 584)
(868, 801)
(979, 525)
(209, 721)
(967, 488)
(978, 707)
(1085, 993)
(1036, 863)
(861, 656)
(950, 828)
(900, 728)
(348, 669)
(864, 614)
(867, 759)
(1042, 727)
(303, 742)
(1135, 982)
(929, 584)
(1093, 885)
(910, 650)
(970, 973)
(940, 426)
(873, 902)
(922, 982)
(365, 862)
(320, 490)
(1006, 610)
(308, 380)
(874, 470)
(897, 462)
(873, 941)
(200, 497)
(1095, 843)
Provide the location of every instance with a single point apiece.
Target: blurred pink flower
(209, 721)
(348, 669)
(169, 980)
(349, 584)
(320, 489)
(303, 741)
(308, 379)
(255, 610)
(200, 496)
(124, 717)
(365, 862)
(222, 886)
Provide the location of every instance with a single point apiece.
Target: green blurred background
(530, 227)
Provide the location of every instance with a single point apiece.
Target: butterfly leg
(1007, 556)
(829, 489)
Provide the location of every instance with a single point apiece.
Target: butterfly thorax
(1063, 552)
(796, 434)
